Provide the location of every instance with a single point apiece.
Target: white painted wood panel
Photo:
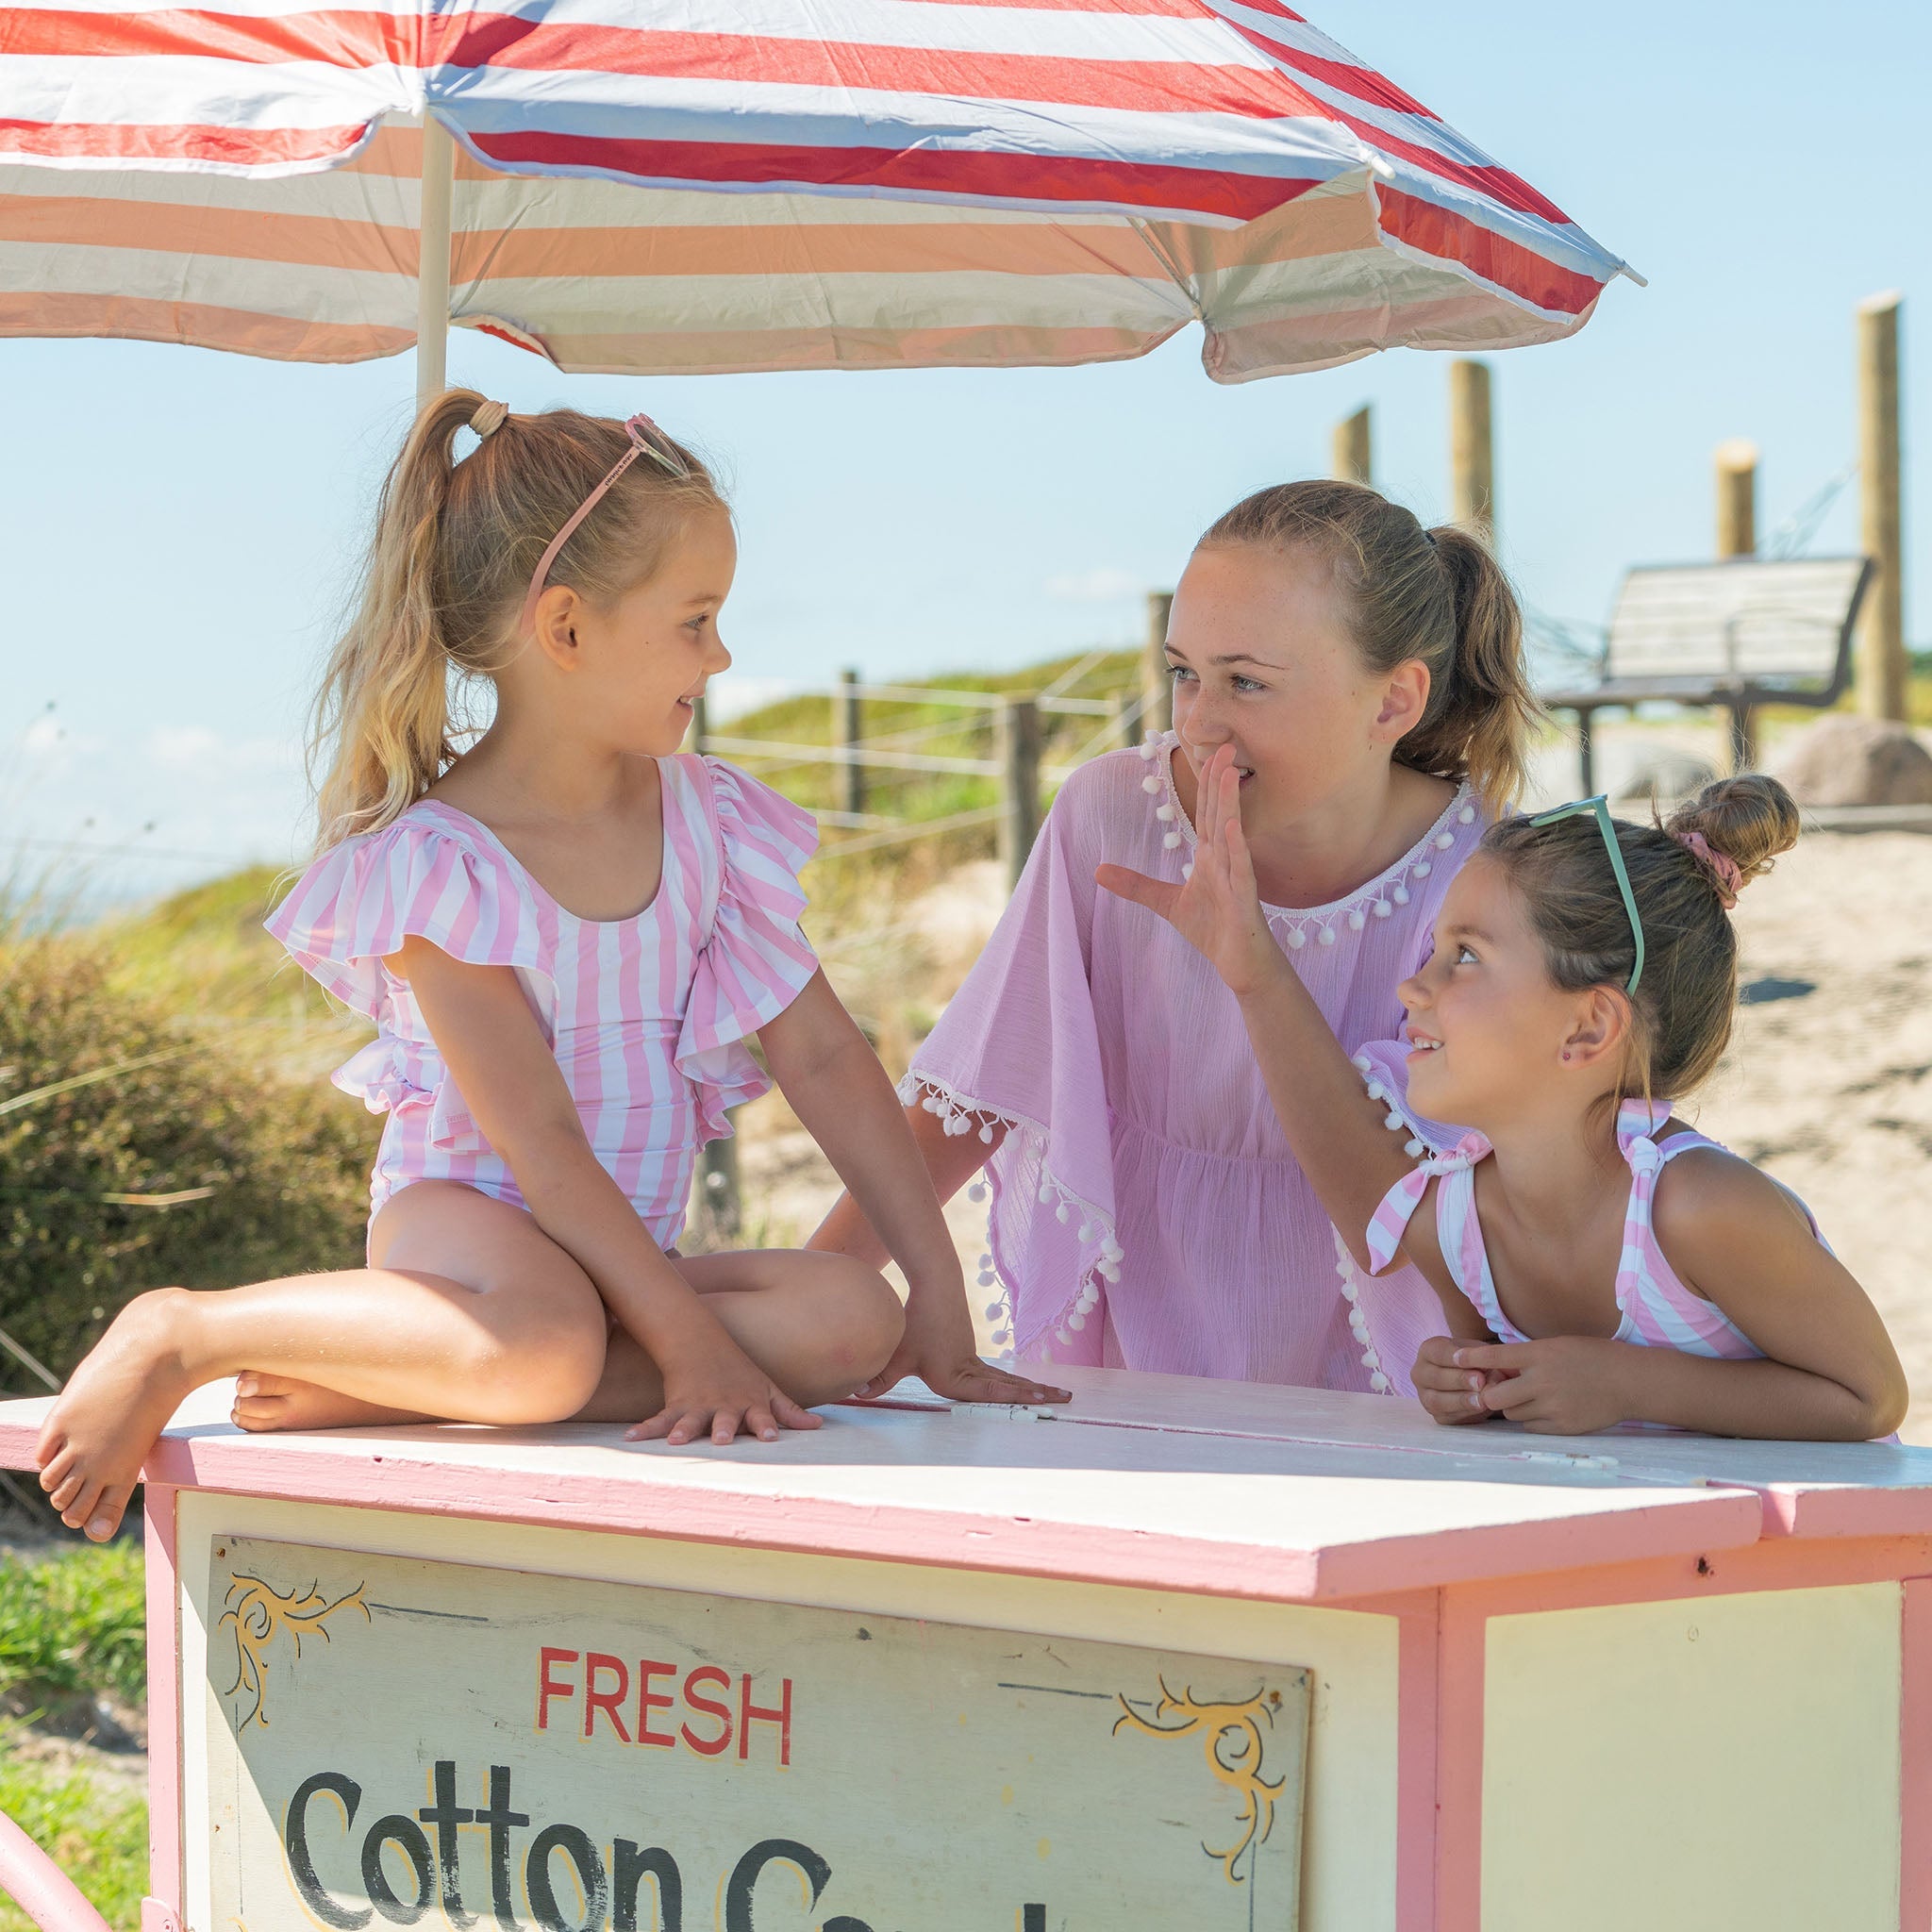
(1689, 1766)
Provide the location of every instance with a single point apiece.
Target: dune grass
(98, 1838)
(71, 1624)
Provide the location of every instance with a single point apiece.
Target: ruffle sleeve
(756, 959)
(361, 900)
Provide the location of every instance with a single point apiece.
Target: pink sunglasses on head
(646, 440)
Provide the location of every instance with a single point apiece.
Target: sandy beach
(1827, 1083)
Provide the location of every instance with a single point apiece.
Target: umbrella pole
(432, 273)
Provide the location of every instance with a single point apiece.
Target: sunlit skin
(1264, 664)
(1497, 1045)
(473, 1310)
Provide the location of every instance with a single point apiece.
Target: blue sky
(180, 526)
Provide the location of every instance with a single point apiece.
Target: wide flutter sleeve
(361, 900)
(756, 959)
(1018, 1047)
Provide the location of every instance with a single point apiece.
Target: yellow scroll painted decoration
(258, 1613)
(1237, 1766)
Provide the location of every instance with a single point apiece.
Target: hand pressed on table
(938, 1347)
(713, 1386)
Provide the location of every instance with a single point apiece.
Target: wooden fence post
(1471, 449)
(718, 1208)
(1736, 498)
(699, 729)
(1157, 687)
(1354, 457)
(1881, 624)
(1736, 536)
(848, 733)
(1127, 717)
(1019, 757)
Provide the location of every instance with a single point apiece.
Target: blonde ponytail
(454, 547)
(1433, 595)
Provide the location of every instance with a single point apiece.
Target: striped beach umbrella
(657, 186)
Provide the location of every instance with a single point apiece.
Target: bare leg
(819, 1325)
(471, 1312)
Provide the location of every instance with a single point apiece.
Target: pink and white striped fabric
(654, 185)
(647, 1015)
(1655, 1308)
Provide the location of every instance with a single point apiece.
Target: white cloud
(1102, 585)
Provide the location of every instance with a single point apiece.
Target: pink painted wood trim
(1915, 1758)
(1419, 1638)
(1771, 1566)
(1461, 1664)
(657, 1503)
(163, 1710)
(1849, 1511)
(39, 1888)
(651, 1500)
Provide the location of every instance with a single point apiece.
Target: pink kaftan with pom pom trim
(1147, 1211)
(647, 1015)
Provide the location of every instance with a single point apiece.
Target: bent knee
(540, 1357)
(863, 1321)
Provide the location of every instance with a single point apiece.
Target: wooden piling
(1354, 458)
(848, 733)
(1881, 667)
(1471, 449)
(1736, 498)
(1127, 717)
(699, 730)
(1157, 687)
(1019, 757)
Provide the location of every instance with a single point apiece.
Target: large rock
(1843, 760)
(1663, 773)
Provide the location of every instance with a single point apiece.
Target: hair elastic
(489, 418)
(1724, 871)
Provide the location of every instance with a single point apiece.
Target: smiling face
(1492, 1034)
(1263, 662)
(637, 665)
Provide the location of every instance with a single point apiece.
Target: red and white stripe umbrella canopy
(706, 185)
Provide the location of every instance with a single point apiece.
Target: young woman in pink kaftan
(1147, 1211)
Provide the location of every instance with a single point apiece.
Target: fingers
(985, 1383)
(791, 1416)
(1158, 895)
(1506, 1397)
(1494, 1354)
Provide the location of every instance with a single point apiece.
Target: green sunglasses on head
(1599, 807)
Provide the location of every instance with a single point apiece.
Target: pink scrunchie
(1726, 874)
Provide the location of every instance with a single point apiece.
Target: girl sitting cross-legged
(1583, 981)
(564, 935)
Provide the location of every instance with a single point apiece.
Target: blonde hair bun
(1749, 820)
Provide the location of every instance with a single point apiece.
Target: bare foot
(265, 1402)
(106, 1420)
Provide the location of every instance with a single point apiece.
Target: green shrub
(99, 1838)
(73, 1625)
(283, 1168)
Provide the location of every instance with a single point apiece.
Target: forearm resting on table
(951, 1160)
(1334, 1130)
(1764, 1398)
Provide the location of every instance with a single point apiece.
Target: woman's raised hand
(1217, 908)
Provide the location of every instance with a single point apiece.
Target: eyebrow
(1229, 657)
(1471, 932)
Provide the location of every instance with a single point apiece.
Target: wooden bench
(1738, 634)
